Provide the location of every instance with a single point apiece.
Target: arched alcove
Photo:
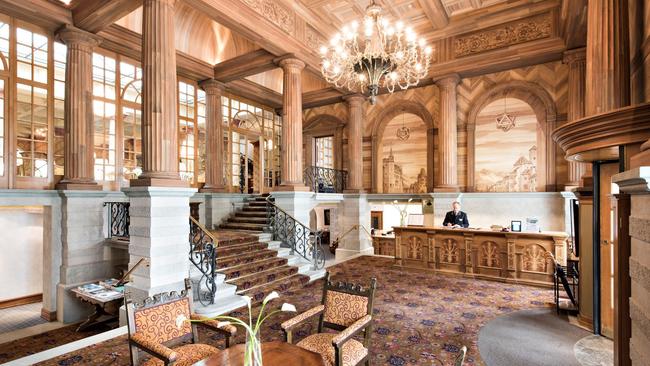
(404, 162)
(545, 111)
(388, 113)
(511, 166)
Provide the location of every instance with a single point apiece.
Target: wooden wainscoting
(29, 299)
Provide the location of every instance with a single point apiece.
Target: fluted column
(159, 96)
(355, 141)
(292, 125)
(79, 127)
(214, 137)
(608, 61)
(448, 134)
(575, 59)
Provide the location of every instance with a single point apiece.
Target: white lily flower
(271, 296)
(180, 320)
(288, 307)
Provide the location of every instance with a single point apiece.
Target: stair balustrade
(299, 237)
(203, 254)
(118, 220)
(325, 180)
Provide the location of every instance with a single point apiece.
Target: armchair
(156, 327)
(346, 308)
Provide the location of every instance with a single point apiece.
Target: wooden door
(607, 248)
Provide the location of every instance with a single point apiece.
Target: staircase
(251, 217)
(250, 263)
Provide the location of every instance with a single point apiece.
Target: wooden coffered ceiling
(221, 38)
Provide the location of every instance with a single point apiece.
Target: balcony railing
(118, 220)
(300, 239)
(325, 180)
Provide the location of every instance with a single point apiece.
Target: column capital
(355, 99)
(447, 81)
(291, 64)
(574, 55)
(73, 36)
(212, 86)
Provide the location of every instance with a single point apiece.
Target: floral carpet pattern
(421, 318)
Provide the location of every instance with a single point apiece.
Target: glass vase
(253, 353)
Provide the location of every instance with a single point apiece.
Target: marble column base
(159, 231)
(447, 188)
(292, 188)
(78, 186)
(158, 182)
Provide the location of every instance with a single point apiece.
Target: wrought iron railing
(325, 180)
(203, 254)
(300, 239)
(118, 220)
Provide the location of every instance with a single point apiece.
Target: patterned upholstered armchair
(156, 326)
(346, 308)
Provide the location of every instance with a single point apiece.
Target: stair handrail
(300, 238)
(203, 255)
(335, 178)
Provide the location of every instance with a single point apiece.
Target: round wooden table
(273, 354)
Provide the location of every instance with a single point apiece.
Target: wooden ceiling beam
(95, 15)
(255, 92)
(45, 14)
(245, 65)
(435, 12)
(321, 97)
(240, 18)
(128, 43)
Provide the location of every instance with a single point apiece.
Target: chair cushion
(353, 350)
(188, 354)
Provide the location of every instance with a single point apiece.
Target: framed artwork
(515, 226)
(326, 217)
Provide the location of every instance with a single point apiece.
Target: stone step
(254, 209)
(221, 306)
(264, 277)
(249, 268)
(264, 237)
(247, 220)
(258, 293)
(236, 249)
(273, 244)
(250, 214)
(246, 258)
(256, 204)
(243, 226)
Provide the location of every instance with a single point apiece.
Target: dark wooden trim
(23, 300)
(622, 281)
(50, 316)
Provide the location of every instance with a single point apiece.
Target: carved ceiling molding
(276, 13)
(520, 31)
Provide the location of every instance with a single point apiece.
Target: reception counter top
(520, 257)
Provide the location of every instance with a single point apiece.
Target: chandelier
(375, 54)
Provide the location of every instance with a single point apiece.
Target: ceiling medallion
(380, 54)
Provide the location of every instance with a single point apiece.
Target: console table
(504, 256)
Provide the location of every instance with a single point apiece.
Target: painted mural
(404, 161)
(506, 151)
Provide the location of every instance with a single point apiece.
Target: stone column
(355, 141)
(448, 133)
(575, 59)
(292, 126)
(214, 178)
(79, 119)
(608, 60)
(159, 97)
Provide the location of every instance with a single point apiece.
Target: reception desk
(503, 256)
(384, 245)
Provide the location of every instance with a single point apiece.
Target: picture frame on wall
(515, 226)
(326, 217)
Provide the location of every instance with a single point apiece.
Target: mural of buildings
(506, 161)
(404, 161)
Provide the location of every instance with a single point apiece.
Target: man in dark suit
(456, 218)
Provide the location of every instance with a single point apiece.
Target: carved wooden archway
(387, 114)
(323, 125)
(544, 108)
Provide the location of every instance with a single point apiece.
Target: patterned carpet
(422, 318)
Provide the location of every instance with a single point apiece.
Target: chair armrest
(291, 323)
(227, 329)
(351, 331)
(155, 349)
